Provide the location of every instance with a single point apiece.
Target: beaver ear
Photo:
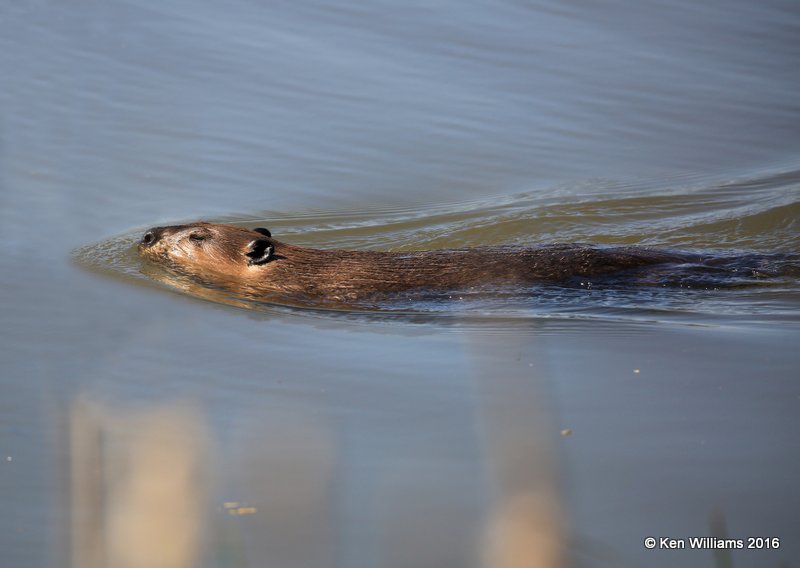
(263, 231)
(259, 251)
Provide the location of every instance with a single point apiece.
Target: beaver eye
(197, 237)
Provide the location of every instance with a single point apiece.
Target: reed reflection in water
(139, 486)
(150, 488)
(526, 526)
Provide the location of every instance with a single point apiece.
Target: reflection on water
(525, 532)
(718, 529)
(155, 487)
(140, 486)
(526, 524)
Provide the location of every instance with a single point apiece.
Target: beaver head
(206, 249)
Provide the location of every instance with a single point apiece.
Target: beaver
(252, 263)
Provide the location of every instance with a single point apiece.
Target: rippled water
(718, 221)
(559, 428)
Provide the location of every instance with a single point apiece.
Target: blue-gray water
(570, 427)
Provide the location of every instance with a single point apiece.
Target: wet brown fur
(217, 256)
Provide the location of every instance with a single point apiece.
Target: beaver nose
(151, 236)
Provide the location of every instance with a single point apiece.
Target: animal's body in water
(251, 263)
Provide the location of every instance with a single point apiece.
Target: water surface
(570, 425)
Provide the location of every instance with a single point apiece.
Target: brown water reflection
(526, 525)
(156, 487)
(139, 486)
